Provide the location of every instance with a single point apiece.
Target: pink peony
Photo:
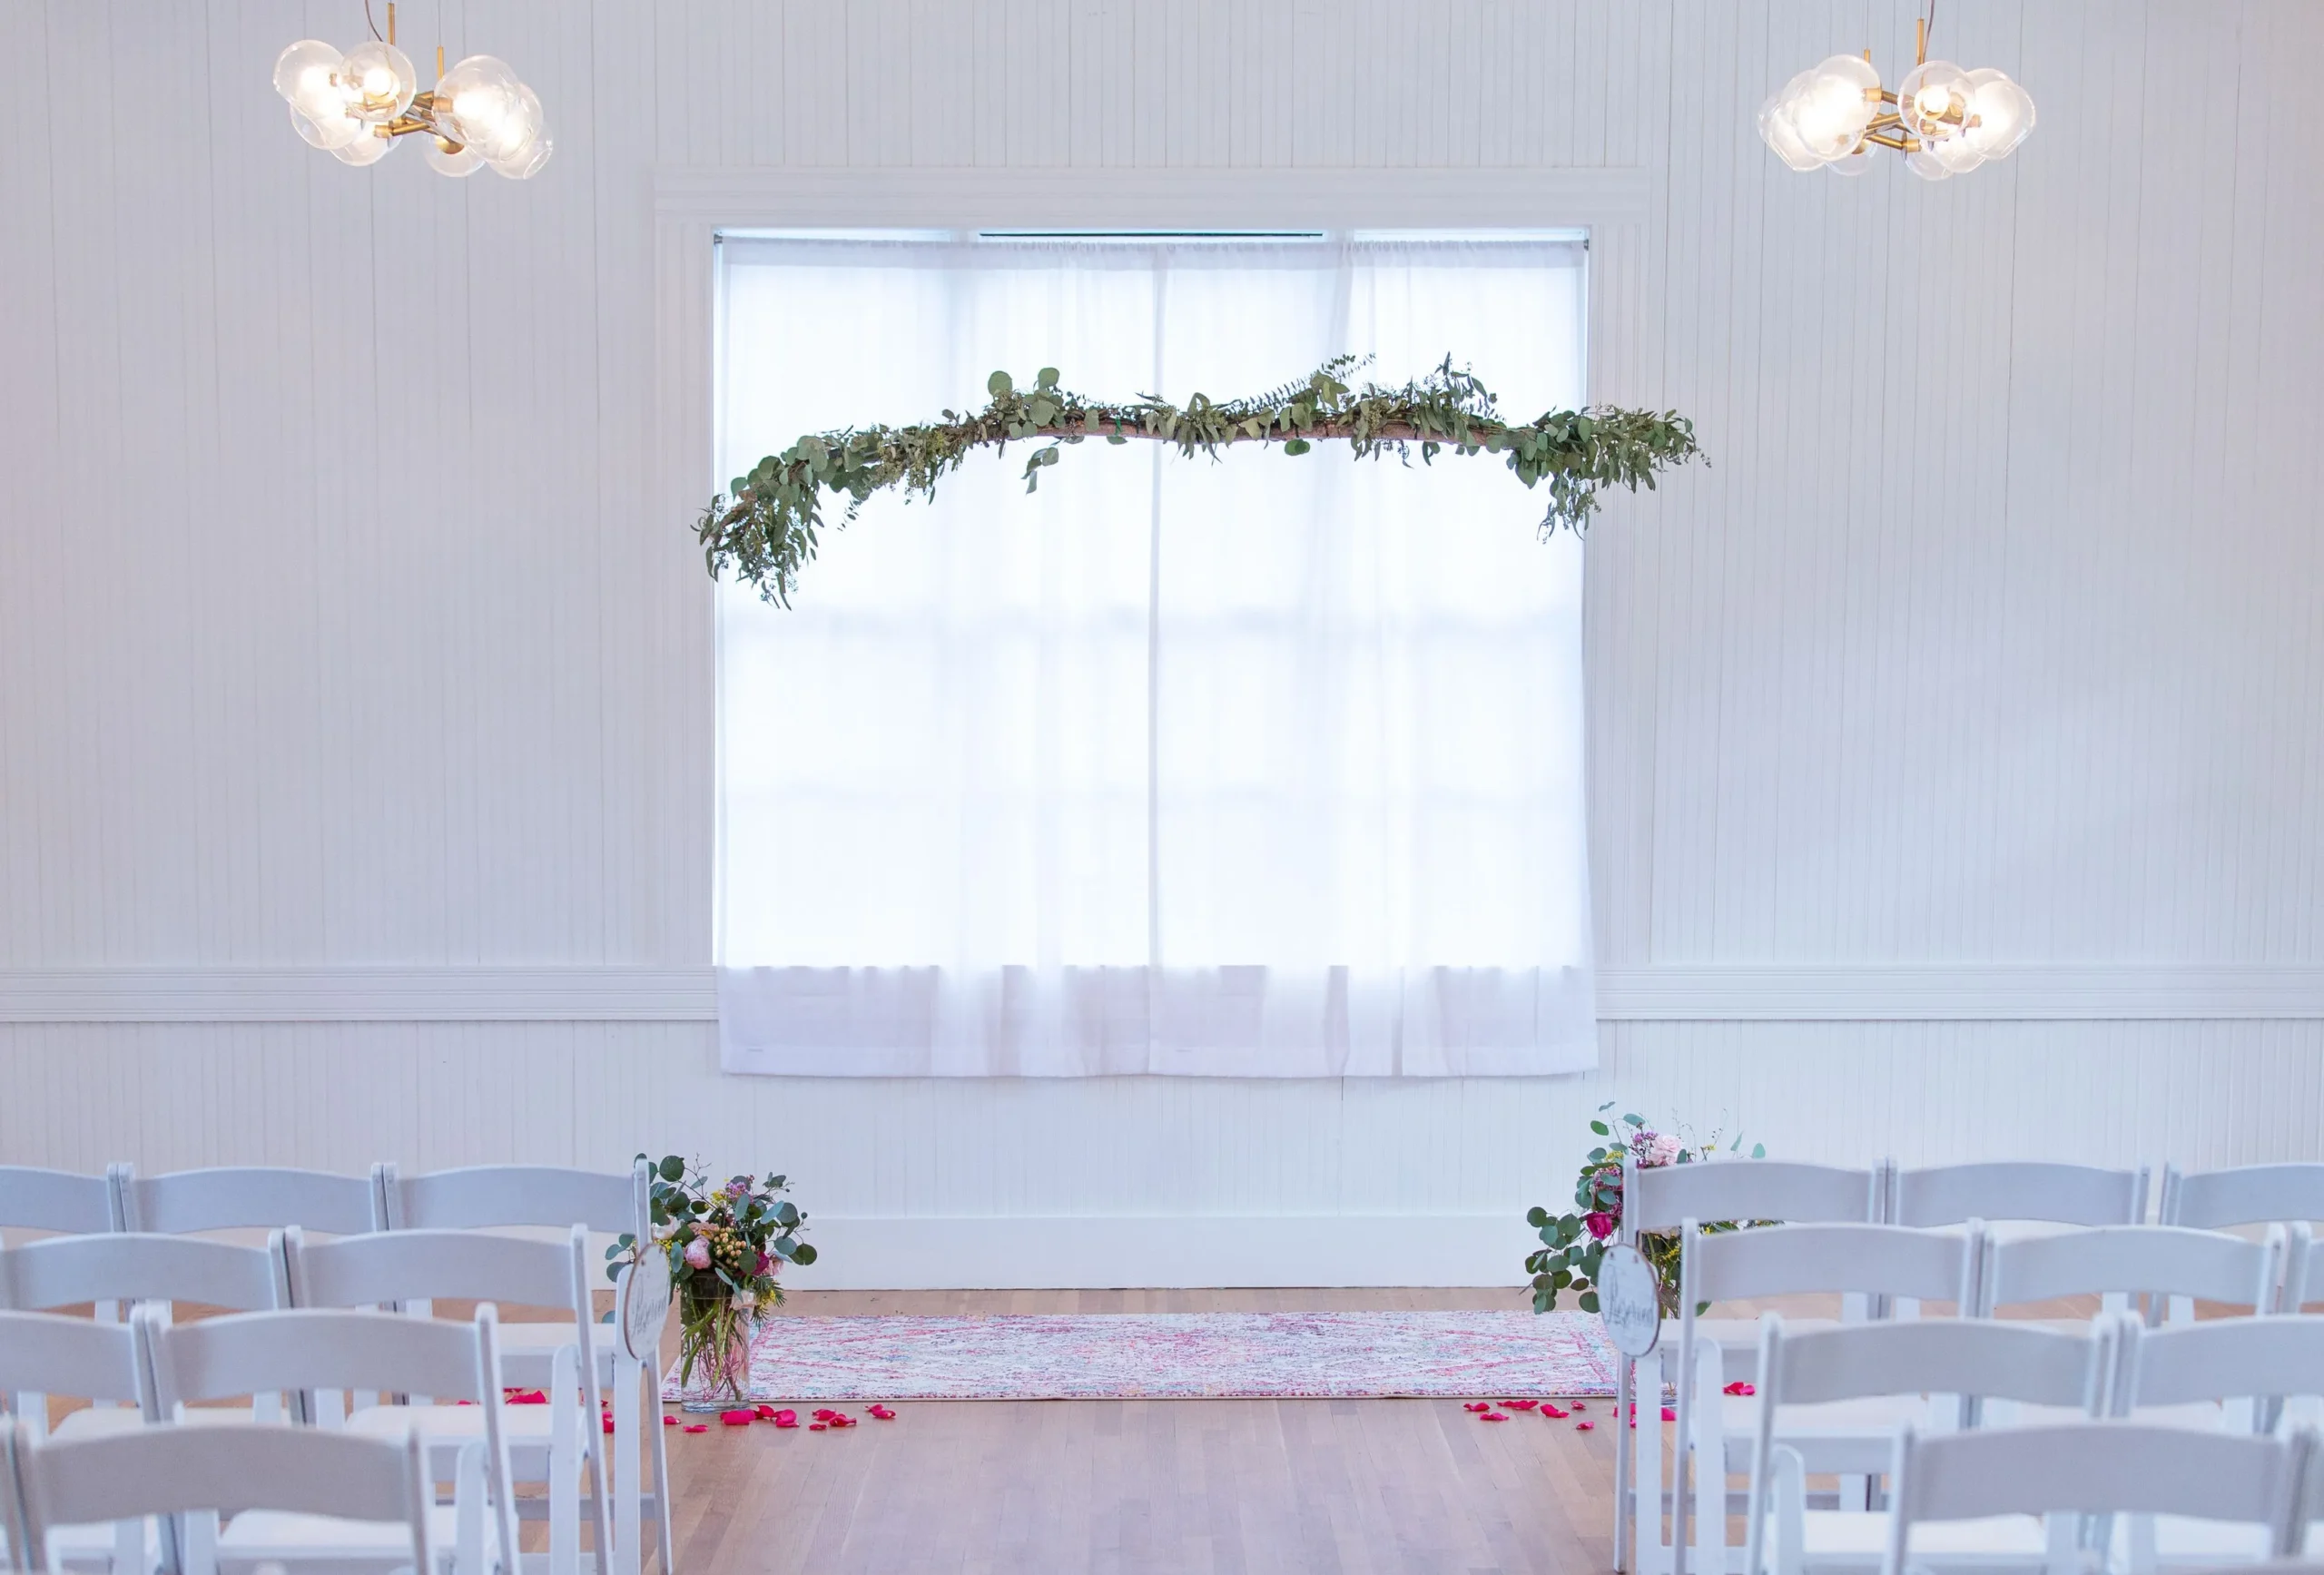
(1600, 1225)
(1656, 1148)
(698, 1253)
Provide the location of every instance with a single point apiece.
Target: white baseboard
(1085, 1252)
(1661, 992)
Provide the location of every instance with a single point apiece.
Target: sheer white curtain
(1264, 768)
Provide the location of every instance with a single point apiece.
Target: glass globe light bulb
(1933, 101)
(1927, 166)
(481, 105)
(381, 78)
(330, 131)
(368, 148)
(1777, 130)
(1856, 163)
(304, 70)
(2001, 113)
(447, 158)
(1956, 155)
(526, 164)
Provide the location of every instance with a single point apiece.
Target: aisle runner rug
(1179, 1356)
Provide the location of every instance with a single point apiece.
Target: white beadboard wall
(340, 627)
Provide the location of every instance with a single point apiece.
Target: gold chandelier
(1946, 121)
(356, 106)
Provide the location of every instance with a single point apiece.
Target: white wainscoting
(345, 628)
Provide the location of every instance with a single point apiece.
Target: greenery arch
(765, 526)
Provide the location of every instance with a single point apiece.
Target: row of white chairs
(323, 1363)
(2220, 1378)
(323, 1202)
(1915, 1236)
(428, 1247)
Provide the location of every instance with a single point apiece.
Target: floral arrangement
(1572, 1245)
(727, 1243)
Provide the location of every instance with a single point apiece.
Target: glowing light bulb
(381, 80)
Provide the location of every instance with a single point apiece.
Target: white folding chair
(43, 1353)
(556, 1443)
(2230, 1373)
(505, 1197)
(66, 1271)
(2117, 1262)
(2093, 1469)
(57, 1203)
(1925, 1363)
(245, 1198)
(2011, 1192)
(2246, 1195)
(1660, 1199)
(301, 1353)
(169, 1470)
(1865, 1263)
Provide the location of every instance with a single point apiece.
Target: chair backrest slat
(64, 1271)
(2094, 1469)
(302, 1351)
(2056, 1193)
(2223, 1359)
(1994, 1361)
(63, 1201)
(241, 1197)
(2246, 1194)
(161, 1470)
(485, 1197)
(1879, 1260)
(391, 1266)
(1661, 1198)
(2157, 1260)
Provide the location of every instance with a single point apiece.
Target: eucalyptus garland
(765, 526)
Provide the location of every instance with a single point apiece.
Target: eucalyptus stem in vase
(727, 1243)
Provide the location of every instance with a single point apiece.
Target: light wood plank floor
(1228, 1485)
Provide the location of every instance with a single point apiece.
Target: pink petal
(738, 1418)
(817, 1427)
(697, 1427)
(1583, 1426)
(1492, 1416)
(1668, 1414)
(669, 1420)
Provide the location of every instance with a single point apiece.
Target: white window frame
(1616, 211)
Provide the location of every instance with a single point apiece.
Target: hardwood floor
(1212, 1485)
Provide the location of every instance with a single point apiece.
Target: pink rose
(698, 1253)
(1600, 1225)
(763, 1266)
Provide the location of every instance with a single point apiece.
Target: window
(1267, 767)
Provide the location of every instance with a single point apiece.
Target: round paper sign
(644, 1297)
(1630, 1302)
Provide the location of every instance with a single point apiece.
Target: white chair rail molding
(991, 784)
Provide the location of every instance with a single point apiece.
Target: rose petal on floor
(1493, 1416)
(738, 1418)
(1583, 1426)
(1521, 1405)
(817, 1427)
(697, 1427)
(1552, 1411)
(669, 1420)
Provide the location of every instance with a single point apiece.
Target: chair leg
(1626, 1513)
(660, 1471)
(629, 1555)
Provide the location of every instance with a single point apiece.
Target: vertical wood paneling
(344, 619)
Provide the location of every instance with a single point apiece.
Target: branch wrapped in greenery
(766, 526)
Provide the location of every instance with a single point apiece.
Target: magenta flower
(1600, 1225)
(764, 1263)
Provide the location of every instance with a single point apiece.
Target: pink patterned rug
(1179, 1356)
